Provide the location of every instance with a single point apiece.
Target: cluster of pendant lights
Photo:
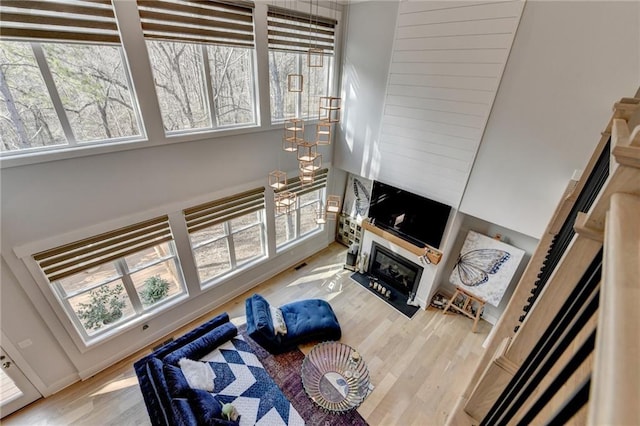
(309, 160)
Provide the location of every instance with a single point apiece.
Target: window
(202, 55)
(301, 221)
(54, 93)
(291, 35)
(110, 279)
(227, 233)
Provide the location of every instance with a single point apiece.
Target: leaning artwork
(485, 267)
(357, 197)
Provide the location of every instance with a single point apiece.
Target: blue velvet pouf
(307, 320)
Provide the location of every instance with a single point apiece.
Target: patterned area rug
(242, 380)
(284, 369)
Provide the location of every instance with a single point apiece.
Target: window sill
(18, 159)
(221, 279)
(86, 346)
(291, 244)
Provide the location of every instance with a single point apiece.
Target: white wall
(367, 48)
(569, 63)
(447, 61)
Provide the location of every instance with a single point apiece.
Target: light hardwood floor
(419, 366)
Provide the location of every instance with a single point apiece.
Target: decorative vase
(363, 263)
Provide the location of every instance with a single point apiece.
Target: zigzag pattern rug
(284, 369)
(242, 380)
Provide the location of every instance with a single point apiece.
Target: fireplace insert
(394, 270)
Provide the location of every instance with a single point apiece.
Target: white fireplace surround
(427, 287)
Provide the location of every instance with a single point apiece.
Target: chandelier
(295, 140)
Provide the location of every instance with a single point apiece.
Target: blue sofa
(169, 399)
(307, 320)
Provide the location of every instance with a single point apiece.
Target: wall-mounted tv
(411, 217)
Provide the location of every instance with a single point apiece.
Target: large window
(301, 221)
(110, 279)
(202, 55)
(53, 91)
(227, 233)
(65, 79)
(291, 36)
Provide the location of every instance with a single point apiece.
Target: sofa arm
(192, 335)
(203, 345)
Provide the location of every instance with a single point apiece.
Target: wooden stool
(466, 307)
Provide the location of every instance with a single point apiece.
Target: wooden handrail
(615, 384)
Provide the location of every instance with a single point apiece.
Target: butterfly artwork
(363, 197)
(475, 266)
(357, 197)
(485, 267)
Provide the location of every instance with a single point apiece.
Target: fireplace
(393, 270)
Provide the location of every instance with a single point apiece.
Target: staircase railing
(575, 343)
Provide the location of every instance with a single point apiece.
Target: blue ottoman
(307, 320)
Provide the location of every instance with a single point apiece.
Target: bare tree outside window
(283, 102)
(179, 72)
(27, 117)
(305, 104)
(179, 78)
(94, 90)
(232, 81)
(92, 86)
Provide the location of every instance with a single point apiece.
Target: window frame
(297, 235)
(228, 235)
(222, 211)
(139, 71)
(301, 97)
(209, 96)
(59, 301)
(295, 186)
(36, 47)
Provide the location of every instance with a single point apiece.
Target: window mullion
(263, 233)
(298, 217)
(261, 70)
(208, 77)
(41, 60)
(139, 65)
(129, 287)
(66, 305)
(299, 109)
(135, 103)
(230, 245)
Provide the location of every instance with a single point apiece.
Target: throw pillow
(198, 374)
(208, 409)
(176, 382)
(279, 326)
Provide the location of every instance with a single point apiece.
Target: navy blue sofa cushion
(176, 382)
(208, 409)
(307, 320)
(183, 413)
(164, 393)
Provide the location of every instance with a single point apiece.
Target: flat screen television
(411, 217)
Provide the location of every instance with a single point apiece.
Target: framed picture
(485, 267)
(357, 197)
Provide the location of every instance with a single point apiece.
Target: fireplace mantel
(432, 254)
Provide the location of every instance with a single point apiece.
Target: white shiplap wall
(447, 61)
